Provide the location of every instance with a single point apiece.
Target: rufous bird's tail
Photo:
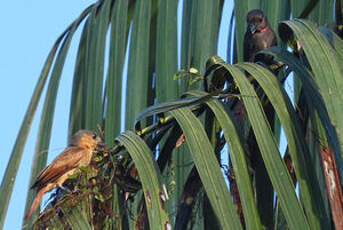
(35, 203)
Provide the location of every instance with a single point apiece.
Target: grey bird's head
(257, 21)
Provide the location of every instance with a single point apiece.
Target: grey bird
(259, 36)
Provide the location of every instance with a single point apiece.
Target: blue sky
(29, 30)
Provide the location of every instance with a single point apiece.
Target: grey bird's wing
(249, 48)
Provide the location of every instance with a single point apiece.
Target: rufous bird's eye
(94, 136)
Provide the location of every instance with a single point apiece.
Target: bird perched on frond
(77, 154)
(259, 36)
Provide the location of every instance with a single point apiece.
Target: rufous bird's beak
(101, 145)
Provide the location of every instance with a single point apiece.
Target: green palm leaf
(145, 32)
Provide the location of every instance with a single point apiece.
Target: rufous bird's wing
(69, 159)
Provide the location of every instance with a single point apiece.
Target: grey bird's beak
(251, 28)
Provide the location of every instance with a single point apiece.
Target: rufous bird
(77, 154)
(259, 36)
